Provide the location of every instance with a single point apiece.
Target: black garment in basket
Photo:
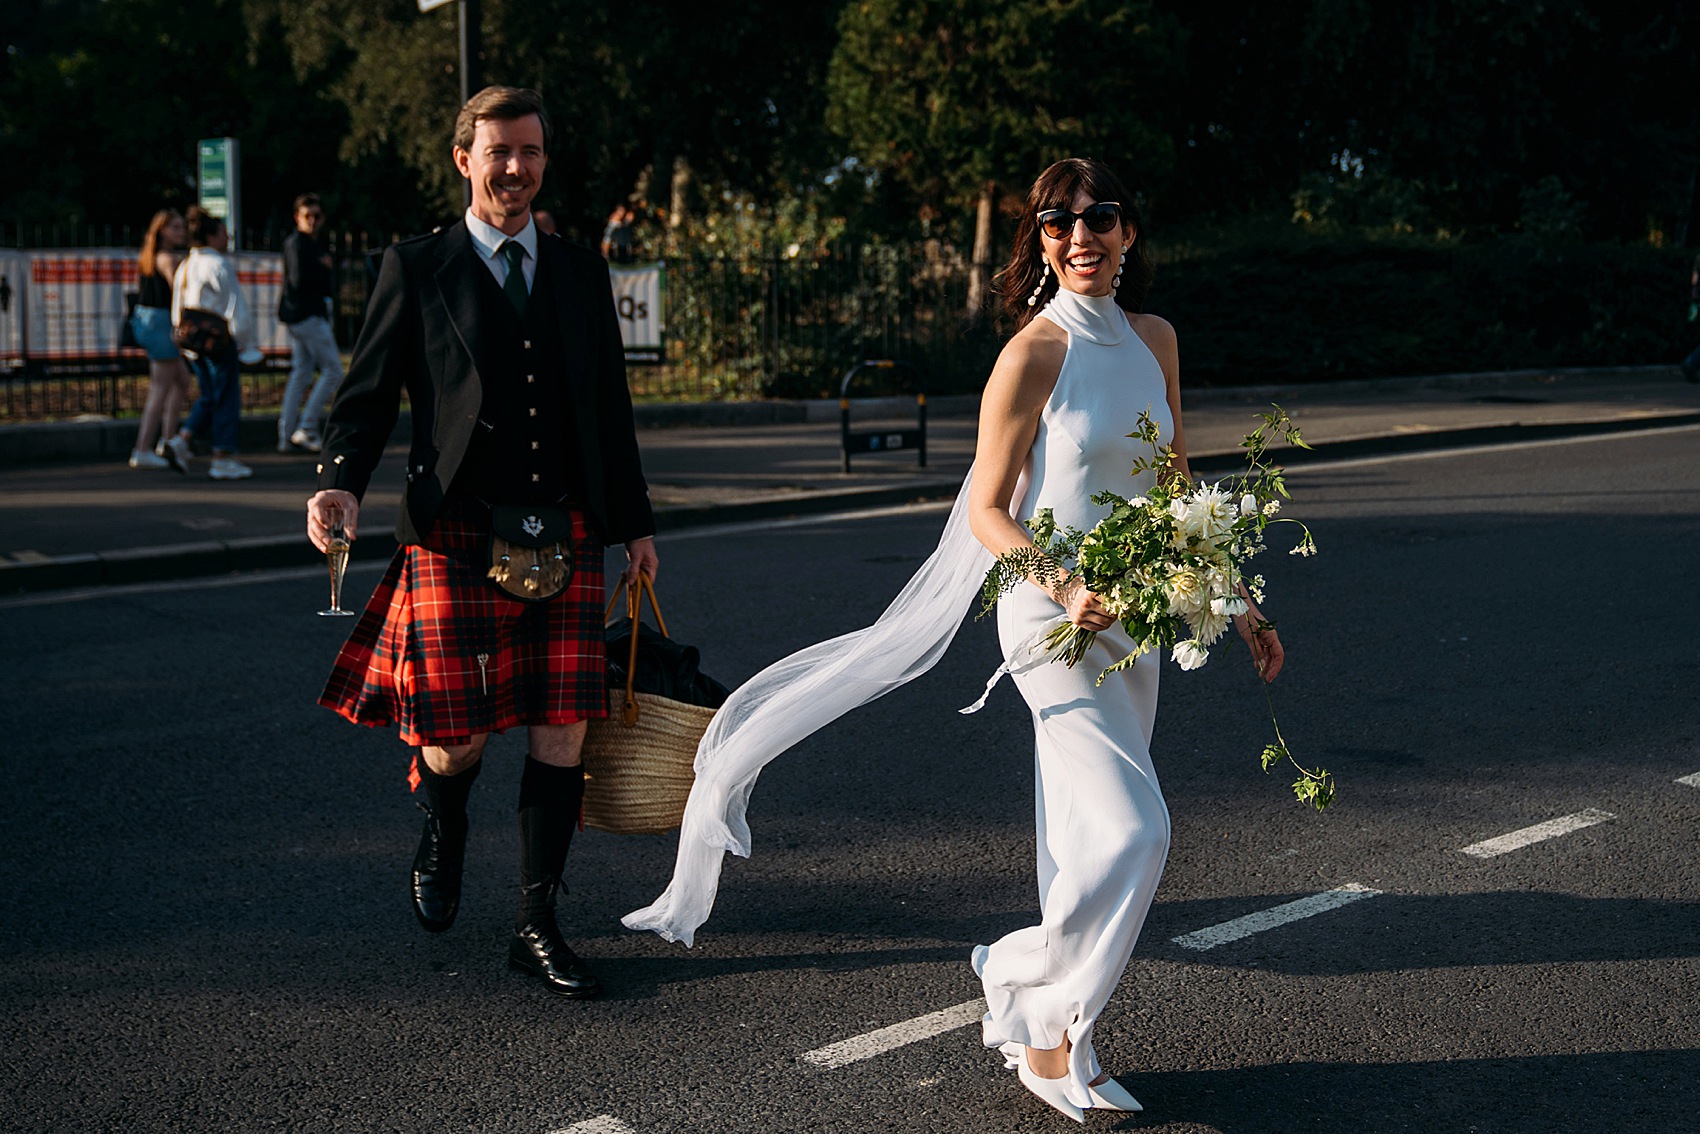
(665, 667)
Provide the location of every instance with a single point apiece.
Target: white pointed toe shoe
(1052, 1091)
(1111, 1095)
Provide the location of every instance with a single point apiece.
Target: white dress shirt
(206, 280)
(487, 240)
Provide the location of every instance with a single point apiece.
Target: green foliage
(1263, 305)
(947, 96)
(1042, 562)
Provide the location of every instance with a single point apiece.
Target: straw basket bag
(638, 761)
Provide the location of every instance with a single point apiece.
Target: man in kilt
(507, 344)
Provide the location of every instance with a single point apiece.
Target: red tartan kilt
(413, 658)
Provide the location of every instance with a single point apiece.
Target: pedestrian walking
(1055, 420)
(619, 244)
(305, 308)
(508, 345)
(212, 323)
(168, 374)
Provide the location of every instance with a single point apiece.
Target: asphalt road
(204, 925)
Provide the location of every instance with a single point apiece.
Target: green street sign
(219, 166)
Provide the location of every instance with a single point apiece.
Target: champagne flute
(336, 553)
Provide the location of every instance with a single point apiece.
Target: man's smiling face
(505, 166)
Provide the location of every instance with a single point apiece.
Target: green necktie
(514, 285)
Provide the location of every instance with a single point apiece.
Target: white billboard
(75, 303)
(639, 290)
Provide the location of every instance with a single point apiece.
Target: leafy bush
(1279, 308)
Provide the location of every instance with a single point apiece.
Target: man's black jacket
(308, 286)
(422, 334)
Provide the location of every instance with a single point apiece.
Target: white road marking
(710, 530)
(1467, 450)
(858, 1048)
(601, 1124)
(1691, 781)
(365, 566)
(1239, 927)
(168, 586)
(1551, 829)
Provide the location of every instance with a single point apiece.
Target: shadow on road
(1578, 1094)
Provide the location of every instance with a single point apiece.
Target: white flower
(1207, 626)
(1177, 513)
(1229, 606)
(1272, 507)
(1185, 590)
(1248, 505)
(1190, 655)
(1211, 512)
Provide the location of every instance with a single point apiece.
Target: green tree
(957, 98)
(729, 91)
(101, 104)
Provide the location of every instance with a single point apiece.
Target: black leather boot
(442, 846)
(549, 806)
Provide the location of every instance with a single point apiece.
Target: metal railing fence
(735, 327)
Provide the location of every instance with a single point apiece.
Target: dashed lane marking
(601, 1124)
(1540, 832)
(1239, 927)
(858, 1048)
(1691, 781)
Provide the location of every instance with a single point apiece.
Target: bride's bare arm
(1015, 396)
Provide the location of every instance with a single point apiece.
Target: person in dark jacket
(304, 308)
(508, 346)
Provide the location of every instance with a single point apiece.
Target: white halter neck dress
(1102, 824)
(1103, 827)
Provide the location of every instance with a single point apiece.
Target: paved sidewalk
(87, 524)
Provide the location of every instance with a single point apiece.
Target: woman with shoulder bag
(150, 323)
(212, 323)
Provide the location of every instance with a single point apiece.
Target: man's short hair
(202, 226)
(505, 104)
(306, 201)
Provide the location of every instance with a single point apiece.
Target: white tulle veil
(800, 694)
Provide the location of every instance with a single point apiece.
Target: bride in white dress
(1066, 390)
(1065, 393)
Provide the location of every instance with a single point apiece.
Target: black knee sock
(549, 800)
(545, 785)
(446, 796)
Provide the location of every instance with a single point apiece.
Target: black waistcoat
(517, 454)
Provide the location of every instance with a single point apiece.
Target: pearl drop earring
(1033, 300)
(1117, 282)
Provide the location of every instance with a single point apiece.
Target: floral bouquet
(1169, 565)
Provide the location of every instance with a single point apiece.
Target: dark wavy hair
(1055, 189)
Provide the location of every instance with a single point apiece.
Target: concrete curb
(1544, 377)
(109, 439)
(259, 553)
(195, 560)
(104, 439)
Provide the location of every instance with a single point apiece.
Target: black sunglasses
(1100, 217)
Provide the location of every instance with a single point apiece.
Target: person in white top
(206, 282)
